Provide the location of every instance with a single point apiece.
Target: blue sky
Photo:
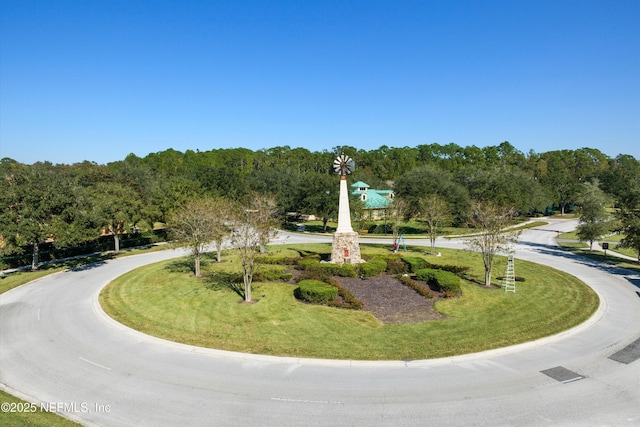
(98, 80)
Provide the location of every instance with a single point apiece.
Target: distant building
(376, 202)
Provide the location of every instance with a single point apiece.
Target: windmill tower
(346, 244)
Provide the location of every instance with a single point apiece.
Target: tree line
(68, 205)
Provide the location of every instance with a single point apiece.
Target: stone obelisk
(346, 244)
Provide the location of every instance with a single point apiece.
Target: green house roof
(375, 199)
(360, 184)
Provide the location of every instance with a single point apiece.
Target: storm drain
(562, 374)
(629, 354)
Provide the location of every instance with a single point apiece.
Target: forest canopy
(74, 203)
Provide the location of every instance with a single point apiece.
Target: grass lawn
(165, 300)
(582, 249)
(625, 251)
(25, 414)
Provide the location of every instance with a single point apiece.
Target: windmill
(343, 164)
(346, 247)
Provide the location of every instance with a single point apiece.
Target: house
(376, 202)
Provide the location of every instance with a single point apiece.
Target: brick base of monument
(346, 248)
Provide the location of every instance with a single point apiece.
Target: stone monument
(346, 243)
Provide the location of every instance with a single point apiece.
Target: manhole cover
(629, 354)
(562, 374)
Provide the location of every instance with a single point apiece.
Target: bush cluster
(277, 259)
(346, 299)
(372, 268)
(446, 281)
(315, 291)
(416, 263)
(344, 270)
(271, 275)
(408, 281)
(396, 265)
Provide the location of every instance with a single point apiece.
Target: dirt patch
(390, 301)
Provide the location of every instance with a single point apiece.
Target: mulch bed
(390, 301)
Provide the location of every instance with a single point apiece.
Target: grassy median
(17, 413)
(166, 301)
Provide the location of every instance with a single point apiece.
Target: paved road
(56, 346)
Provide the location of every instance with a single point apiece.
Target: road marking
(38, 314)
(326, 402)
(94, 363)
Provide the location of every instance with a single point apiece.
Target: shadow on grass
(181, 265)
(220, 280)
(608, 264)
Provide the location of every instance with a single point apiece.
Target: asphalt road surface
(58, 349)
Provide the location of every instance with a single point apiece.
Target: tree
(629, 218)
(490, 221)
(117, 208)
(194, 226)
(254, 227)
(33, 199)
(265, 218)
(630, 226)
(563, 173)
(223, 212)
(506, 186)
(318, 194)
(435, 211)
(427, 180)
(593, 215)
(398, 211)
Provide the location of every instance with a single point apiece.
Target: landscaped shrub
(395, 265)
(309, 255)
(446, 281)
(321, 275)
(415, 263)
(315, 291)
(455, 269)
(344, 270)
(277, 259)
(372, 268)
(346, 299)
(408, 281)
(266, 274)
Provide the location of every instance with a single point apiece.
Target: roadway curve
(57, 346)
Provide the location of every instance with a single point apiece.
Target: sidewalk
(598, 248)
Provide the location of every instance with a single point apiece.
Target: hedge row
(271, 275)
(346, 300)
(395, 264)
(49, 252)
(446, 281)
(372, 267)
(316, 292)
(417, 263)
(344, 270)
(277, 259)
(408, 281)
